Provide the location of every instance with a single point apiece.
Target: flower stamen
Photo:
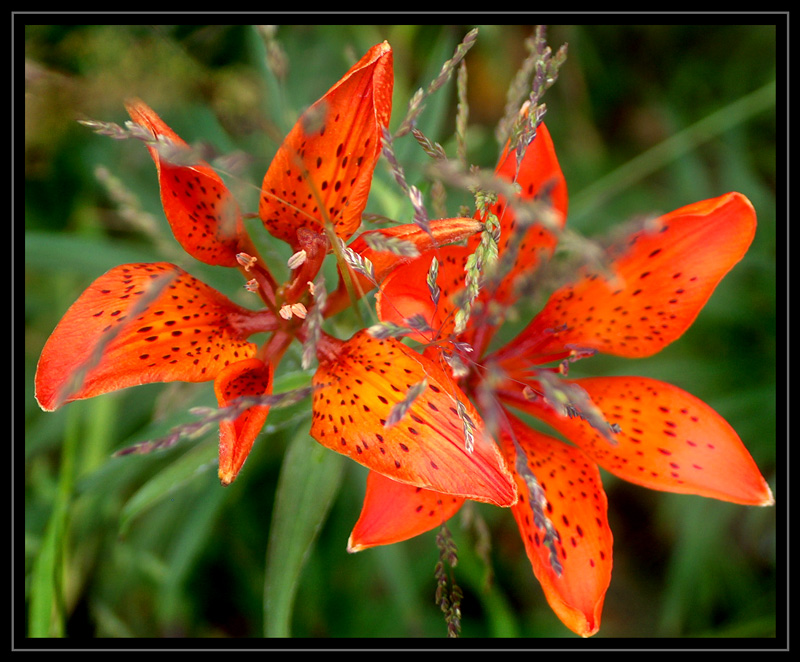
(297, 259)
(247, 261)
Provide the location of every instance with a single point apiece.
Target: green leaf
(46, 610)
(88, 256)
(190, 539)
(309, 482)
(165, 482)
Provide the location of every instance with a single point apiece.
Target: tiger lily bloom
(642, 430)
(154, 322)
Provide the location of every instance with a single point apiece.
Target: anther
(297, 259)
(251, 285)
(247, 261)
(289, 310)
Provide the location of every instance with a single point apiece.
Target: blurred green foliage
(152, 546)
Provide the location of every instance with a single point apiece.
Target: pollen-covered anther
(251, 285)
(297, 259)
(311, 288)
(289, 310)
(247, 261)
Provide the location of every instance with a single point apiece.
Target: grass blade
(308, 484)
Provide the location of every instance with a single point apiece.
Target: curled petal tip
(583, 624)
(743, 198)
(353, 548)
(45, 406)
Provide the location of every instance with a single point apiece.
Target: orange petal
(395, 511)
(443, 231)
(236, 437)
(662, 280)
(358, 384)
(539, 177)
(201, 211)
(405, 293)
(571, 560)
(668, 440)
(323, 170)
(138, 324)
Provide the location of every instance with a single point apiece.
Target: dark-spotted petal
(359, 386)
(251, 377)
(562, 517)
(138, 324)
(201, 211)
(661, 280)
(524, 244)
(323, 170)
(667, 440)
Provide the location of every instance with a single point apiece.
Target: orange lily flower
(144, 323)
(640, 429)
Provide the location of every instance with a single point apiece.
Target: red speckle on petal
(571, 560)
(664, 432)
(332, 166)
(355, 380)
(144, 338)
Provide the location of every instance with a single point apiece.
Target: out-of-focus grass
(146, 546)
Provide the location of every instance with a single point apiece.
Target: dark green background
(190, 561)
